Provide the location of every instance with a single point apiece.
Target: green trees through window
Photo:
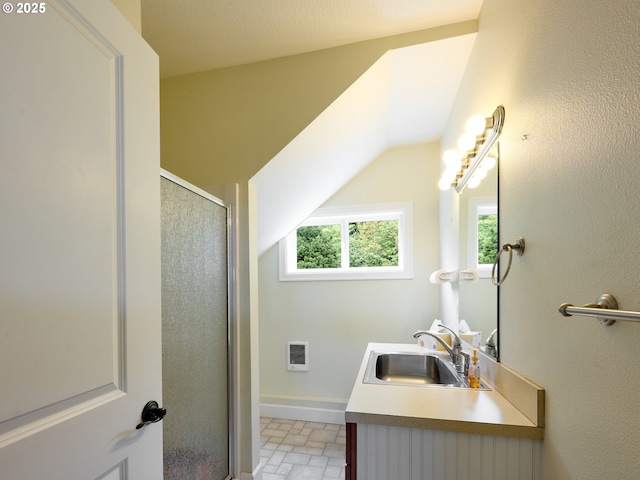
(359, 242)
(487, 238)
(319, 246)
(370, 244)
(373, 244)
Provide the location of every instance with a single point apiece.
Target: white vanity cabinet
(386, 452)
(424, 433)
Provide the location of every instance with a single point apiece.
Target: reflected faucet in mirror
(491, 345)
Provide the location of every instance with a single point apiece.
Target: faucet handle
(457, 343)
(464, 360)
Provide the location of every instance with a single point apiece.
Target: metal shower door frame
(232, 313)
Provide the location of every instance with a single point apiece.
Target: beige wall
(339, 318)
(132, 10)
(568, 74)
(220, 127)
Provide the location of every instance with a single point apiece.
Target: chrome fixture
(491, 345)
(519, 248)
(476, 153)
(463, 360)
(459, 358)
(605, 310)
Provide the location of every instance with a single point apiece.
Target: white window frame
(402, 212)
(478, 206)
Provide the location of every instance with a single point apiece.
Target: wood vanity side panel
(351, 464)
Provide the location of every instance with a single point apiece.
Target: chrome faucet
(459, 358)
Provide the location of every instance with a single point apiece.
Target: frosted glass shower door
(195, 371)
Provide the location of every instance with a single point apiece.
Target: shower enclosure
(195, 332)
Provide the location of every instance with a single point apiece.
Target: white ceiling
(198, 35)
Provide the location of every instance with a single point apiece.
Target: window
(483, 234)
(350, 243)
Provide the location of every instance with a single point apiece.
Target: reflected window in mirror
(482, 244)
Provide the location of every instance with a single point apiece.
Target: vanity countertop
(438, 408)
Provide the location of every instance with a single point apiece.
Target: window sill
(338, 275)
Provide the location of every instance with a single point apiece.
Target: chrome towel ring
(519, 248)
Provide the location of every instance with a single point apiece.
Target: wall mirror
(478, 227)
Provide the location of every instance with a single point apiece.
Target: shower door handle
(151, 413)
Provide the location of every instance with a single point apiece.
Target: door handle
(151, 413)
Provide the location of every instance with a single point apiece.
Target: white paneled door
(80, 345)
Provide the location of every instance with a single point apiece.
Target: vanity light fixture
(476, 154)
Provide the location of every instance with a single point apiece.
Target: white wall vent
(298, 356)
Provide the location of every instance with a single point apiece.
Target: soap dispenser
(474, 371)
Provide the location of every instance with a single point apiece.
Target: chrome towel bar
(605, 310)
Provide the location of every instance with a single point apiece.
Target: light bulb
(467, 141)
(449, 175)
(452, 159)
(444, 184)
(488, 163)
(476, 125)
(480, 173)
(473, 182)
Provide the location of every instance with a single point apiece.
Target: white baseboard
(255, 475)
(307, 414)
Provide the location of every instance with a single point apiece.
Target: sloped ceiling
(198, 35)
(404, 98)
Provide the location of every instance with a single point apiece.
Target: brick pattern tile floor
(299, 450)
